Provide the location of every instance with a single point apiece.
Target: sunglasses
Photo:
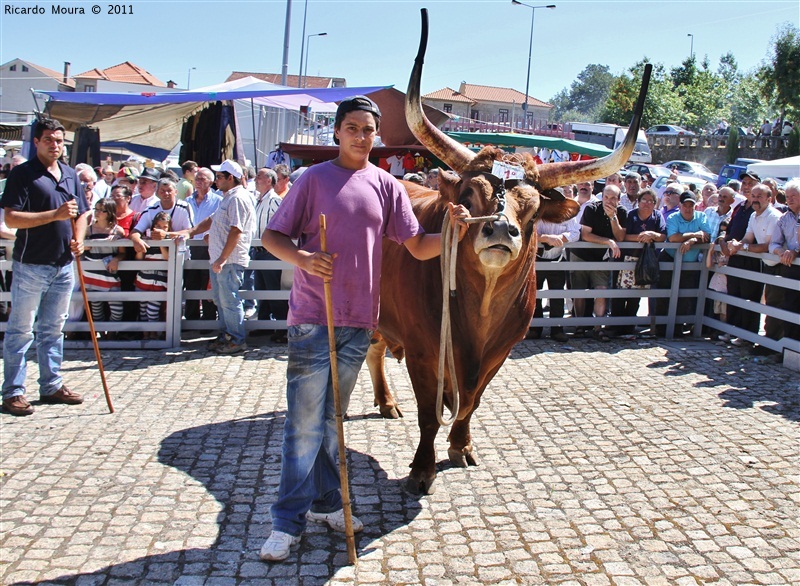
(671, 192)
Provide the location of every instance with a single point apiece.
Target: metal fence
(173, 324)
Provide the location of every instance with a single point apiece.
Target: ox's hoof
(391, 412)
(462, 458)
(420, 486)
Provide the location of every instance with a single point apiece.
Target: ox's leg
(423, 467)
(461, 452)
(384, 399)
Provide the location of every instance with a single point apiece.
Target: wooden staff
(92, 332)
(337, 401)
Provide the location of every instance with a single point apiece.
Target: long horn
(557, 174)
(453, 153)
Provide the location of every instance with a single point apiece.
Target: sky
(374, 42)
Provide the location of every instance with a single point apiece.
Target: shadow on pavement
(238, 463)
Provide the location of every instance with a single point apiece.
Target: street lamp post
(302, 46)
(691, 46)
(308, 45)
(530, 50)
(189, 78)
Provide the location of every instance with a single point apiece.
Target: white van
(611, 136)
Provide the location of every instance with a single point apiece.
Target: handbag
(646, 271)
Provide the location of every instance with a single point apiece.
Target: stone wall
(711, 151)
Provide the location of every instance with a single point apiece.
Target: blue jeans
(225, 287)
(40, 295)
(249, 284)
(309, 469)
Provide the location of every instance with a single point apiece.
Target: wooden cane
(337, 401)
(92, 332)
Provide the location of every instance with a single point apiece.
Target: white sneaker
(335, 520)
(276, 547)
(725, 337)
(740, 342)
(250, 313)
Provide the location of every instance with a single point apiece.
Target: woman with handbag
(646, 225)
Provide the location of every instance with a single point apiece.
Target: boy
(362, 204)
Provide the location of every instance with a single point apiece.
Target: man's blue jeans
(225, 287)
(40, 295)
(309, 470)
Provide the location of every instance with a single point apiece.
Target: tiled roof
(448, 94)
(59, 77)
(126, 72)
(311, 81)
(487, 93)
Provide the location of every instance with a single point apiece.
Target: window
(448, 108)
(24, 69)
(12, 68)
(475, 115)
(89, 88)
(503, 115)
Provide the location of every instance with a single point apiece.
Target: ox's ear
(557, 211)
(448, 186)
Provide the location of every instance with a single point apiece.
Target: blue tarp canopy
(154, 120)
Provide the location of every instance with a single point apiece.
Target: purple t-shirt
(361, 208)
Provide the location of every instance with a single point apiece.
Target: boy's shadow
(238, 463)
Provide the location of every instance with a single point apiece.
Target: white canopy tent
(780, 168)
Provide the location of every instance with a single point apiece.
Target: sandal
(599, 335)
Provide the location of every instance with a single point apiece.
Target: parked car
(668, 130)
(730, 172)
(655, 171)
(692, 169)
(743, 132)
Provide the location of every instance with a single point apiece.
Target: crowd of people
(747, 215)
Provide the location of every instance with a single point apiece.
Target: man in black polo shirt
(41, 199)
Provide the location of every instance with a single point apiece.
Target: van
(611, 136)
(730, 172)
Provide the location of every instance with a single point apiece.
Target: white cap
(229, 166)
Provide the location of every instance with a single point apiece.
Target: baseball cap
(228, 166)
(128, 173)
(353, 104)
(750, 174)
(688, 196)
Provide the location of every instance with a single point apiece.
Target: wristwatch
(745, 247)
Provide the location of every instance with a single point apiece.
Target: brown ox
(496, 283)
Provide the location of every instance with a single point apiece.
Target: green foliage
(780, 75)
(586, 96)
(732, 148)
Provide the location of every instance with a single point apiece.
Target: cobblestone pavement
(620, 463)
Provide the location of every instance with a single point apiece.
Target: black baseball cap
(353, 104)
(750, 174)
(688, 196)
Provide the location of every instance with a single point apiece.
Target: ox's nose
(502, 226)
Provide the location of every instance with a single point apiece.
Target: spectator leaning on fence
(552, 238)
(630, 199)
(721, 212)
(757, 238)
(737, 286)
(181, 215)
(147, 183)
(671, 200)
(644, 224)
(785, 243)
(690, 228)
(603, 222)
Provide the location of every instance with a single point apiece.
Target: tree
(780, 75)
(586, 95)
(663, 105)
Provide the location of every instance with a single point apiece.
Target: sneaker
(250, 313)
(335, 520)
(740, 342)
(17, 406)
(276, 547)
(231, 347)
(62, 396)
(725, 338)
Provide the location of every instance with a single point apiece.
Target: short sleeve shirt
(595, 217)
(677, 224)
(234, 211)
(361, 208)
(31, 188)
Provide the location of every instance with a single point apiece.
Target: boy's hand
(318, 264)
(457, 215)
